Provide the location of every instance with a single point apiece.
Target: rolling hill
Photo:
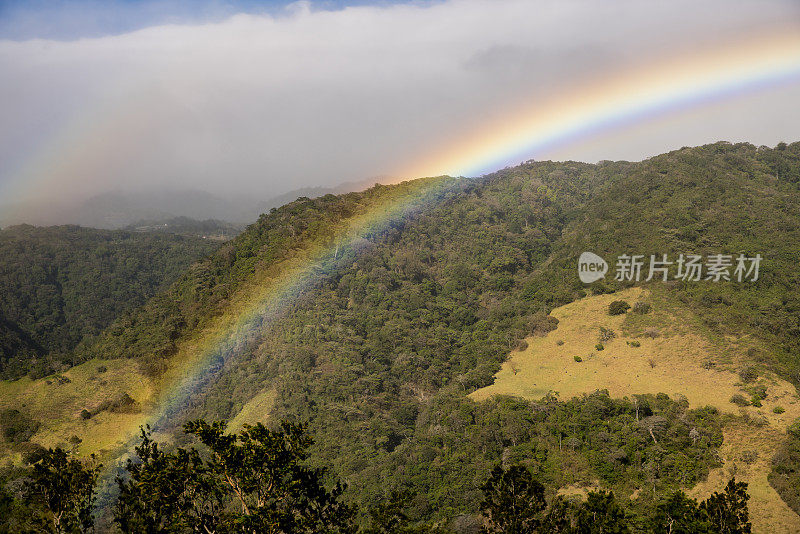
(383, 319)
(59, 285)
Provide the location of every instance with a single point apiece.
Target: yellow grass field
(673, 348)
(255, 411)
(57, 406)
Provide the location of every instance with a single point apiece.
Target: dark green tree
(559, 517)
(253, 481)
(679, 515)
(389, 515)
(601, 514)
(727, 511)
(618, 307)
(513, 500)
(167, 492)
(64, 488)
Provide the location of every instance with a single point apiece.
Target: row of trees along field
(258, 481)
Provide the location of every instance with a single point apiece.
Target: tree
(601, 514)
(559, 517)
(721, 513)
(513, 500)
(254, 481)
(618, 307)
(679, 515)
(727, 511)
(65, 488)
(389, 516)
(167, 492)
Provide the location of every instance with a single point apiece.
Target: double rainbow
(637, 96)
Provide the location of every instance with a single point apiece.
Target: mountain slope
(61, 284)
(667, 350)
(379, 350)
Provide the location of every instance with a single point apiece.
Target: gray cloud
(263, 104)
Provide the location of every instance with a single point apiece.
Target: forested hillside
(379, 354)
(61, 284)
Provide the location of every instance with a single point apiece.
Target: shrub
(86, 414)
(606, 334)
(578, 359)
(794, 429)
(778, 410)
(17, 427)
(634, 344)
(652, 333)
(759, 391)
(32, 453)
(123, 403)
(748, 374)
(755, 401)
(641, 307)
(560, 342)
(599, 346)
(739, 400)
(618, 307)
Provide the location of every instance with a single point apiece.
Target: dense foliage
(514, 503)
(258, 480)
(55, 494)
(254, 481)
(60, 284)
(785, 475)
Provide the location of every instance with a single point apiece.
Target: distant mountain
(314, 192)
(206, 229)
(114, 210)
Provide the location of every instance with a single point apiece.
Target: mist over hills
(118, 209)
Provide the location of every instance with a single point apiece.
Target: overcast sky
(262, 98)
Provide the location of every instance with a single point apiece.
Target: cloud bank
(263, 104)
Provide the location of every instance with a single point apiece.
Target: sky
(259, 98)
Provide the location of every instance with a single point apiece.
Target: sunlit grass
(674, 348)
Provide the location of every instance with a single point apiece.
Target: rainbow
(630, 97)
(690, 80)
(274, 290)
(268, 297)
(621, 99)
